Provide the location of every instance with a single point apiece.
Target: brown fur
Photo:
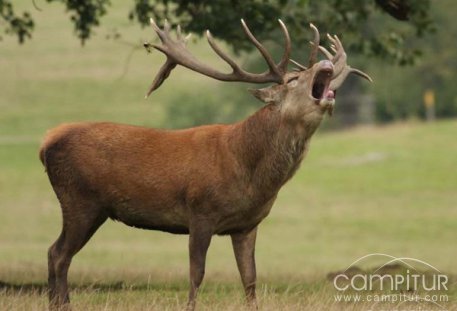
(216, 179)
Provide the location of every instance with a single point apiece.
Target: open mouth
(321, 85)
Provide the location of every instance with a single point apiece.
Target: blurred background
(379, 178)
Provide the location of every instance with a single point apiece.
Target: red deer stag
(202, 181)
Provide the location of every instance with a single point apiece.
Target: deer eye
(292, 81)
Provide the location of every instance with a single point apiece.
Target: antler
(341, 68)
(178, 54)
(314, 46)
(314, 50)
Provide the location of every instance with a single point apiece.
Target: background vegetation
(375, 32)
(387, 189)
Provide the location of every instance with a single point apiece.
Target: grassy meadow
(390, 189)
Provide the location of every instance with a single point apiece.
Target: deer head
(302, 91)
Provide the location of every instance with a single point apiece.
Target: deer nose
(326, 64)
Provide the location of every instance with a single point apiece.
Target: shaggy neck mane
(270, 148)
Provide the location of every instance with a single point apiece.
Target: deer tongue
(330, 94)
(328, 101)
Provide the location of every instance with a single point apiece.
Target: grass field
(366, 190)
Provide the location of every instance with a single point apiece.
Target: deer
(203, 181)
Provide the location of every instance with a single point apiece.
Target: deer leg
(75, 234)
(51, 268)
(200, 234)
(244, 248)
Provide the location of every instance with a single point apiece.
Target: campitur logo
(398, 280)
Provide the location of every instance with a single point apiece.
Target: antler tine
(285, 57)
(163, 73)
(179, 35)
(219, 52)
(337, 81)
(166, 26)
(158, 31)
(262, 50)
(178, 32)
(362, 74)
(326, 52)
(300, 66)
(315, 46)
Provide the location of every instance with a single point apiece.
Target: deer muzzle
(321, 81)
(320, 90)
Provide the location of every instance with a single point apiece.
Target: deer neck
(270, 147)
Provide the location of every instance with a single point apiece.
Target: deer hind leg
(244, 248)
(78, 228)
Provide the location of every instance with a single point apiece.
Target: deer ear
(267, 95)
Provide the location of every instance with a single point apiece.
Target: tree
(435, 71)
(348, 17)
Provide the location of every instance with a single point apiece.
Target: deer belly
(163, 218)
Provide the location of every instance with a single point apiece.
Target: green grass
(388, 190)
(367, 190)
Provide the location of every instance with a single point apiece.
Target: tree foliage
(350, 18)
(20, 25)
